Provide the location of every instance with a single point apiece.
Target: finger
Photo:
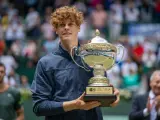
(92, 102)
(81, 104)
(91, 105)
(116, 91)
(87, 104)
(116, 102)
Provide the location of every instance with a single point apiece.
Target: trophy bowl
(101, 56)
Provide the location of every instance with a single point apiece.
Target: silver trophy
(101, 56)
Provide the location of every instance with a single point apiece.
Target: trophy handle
(75, 51)
(119, 47)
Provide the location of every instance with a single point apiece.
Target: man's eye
(61, 25)
(70, 24)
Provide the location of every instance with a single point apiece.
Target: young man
(10, 108)
(147, 107)
(59, 84)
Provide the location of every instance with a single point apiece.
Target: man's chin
(157, 92)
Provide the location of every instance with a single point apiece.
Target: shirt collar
(61, 51)
(152, 95)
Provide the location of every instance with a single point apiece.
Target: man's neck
(3, 87)
(69, 46)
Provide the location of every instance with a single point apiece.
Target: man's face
(67, 31)
(155, 84)
(2, 73)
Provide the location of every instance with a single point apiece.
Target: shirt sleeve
(41, 89)
(145, 112)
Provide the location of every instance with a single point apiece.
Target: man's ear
(54, 29)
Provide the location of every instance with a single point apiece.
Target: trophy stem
(98, 79)
(99, 88)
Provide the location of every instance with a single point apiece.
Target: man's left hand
(157, 102)
(116, 92)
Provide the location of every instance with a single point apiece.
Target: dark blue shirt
(58, 79)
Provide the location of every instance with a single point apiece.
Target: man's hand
(79, 103)
(116, 92)
(20, 114)
(157, 102)
(149, 105)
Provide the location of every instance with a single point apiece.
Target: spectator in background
(10, 35)
(9, 61)
(2, 47)
(14, 31)
(81, 6)
(24, 82)
(157, 10)
(130, 75)
(29, 49)
(146, 11)
(10, 106)
(16, 48)
(47, 29)
(59, 3)
(115, 25)
(94, 3)
(127, 66)
(147, 106)
(158, 55)
(48, 11)
(5, 21)
(131, 12)
(149, 60)
(30, 3)
(137, 53)
(102, 16)
(114, 76)
(85, 32)
(1, 31)
(12, 79)
(50, 45)
(117, 7)
(33, 23)
(12, 11)
(149, 44)
(132, 82)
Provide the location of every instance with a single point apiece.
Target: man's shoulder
(50, 61)
(141, 96)
(14, 91)
(50, 58)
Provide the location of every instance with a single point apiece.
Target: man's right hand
(149, 105)
(79, 103)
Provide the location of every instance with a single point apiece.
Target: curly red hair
(61, 14)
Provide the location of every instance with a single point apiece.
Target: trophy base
(105, 100)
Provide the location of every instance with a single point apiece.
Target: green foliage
(25, 94)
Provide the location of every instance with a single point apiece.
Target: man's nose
(66, 26)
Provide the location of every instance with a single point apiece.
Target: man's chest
(6, 100)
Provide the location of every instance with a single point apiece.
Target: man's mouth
(66, 34)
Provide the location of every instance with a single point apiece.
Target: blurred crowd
(26, 35)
